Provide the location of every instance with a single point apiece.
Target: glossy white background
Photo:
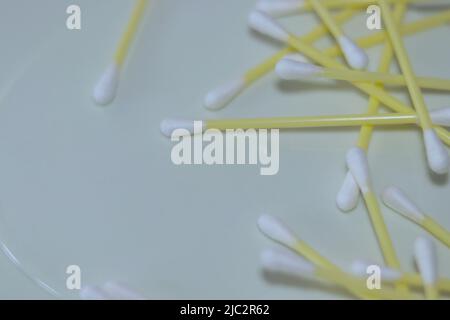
(95, 186)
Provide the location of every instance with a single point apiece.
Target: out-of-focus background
(95, 187)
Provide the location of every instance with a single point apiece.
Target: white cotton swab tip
(355, 56)
(279, 8)
(93, 293)
(288, 69)
(266, 25)
(426, 260)
(185, 127)
(437, 154)
(220, 97)
(296, 57)
(286, 262)
(359, 167)
(361, 268)
(275, 229)
(106, 88)
(441, 117)
(348, 196)
(119, 291)
(397, 200)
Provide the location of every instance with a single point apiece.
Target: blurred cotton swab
(286, 262)
(398, 201)
(289, 69)
(426, 260)
(354, 55)
(120, 291)
(266, 25)
(359, 268)
(437, 155)
(106, 87)
(168, 126)
(93, 293)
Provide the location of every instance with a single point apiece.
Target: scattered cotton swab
(425, 256)
(106, 88)
(398, 201)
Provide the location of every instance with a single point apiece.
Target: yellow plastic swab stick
(270, 27)
(106, 88)
(398, 201)
(354, 55)
(279, 8)
(407, 29)
(277, 231)
(438, 158)
(221, 96)
(346, 120)
(426, 261)
(390, 276)
(304, 70)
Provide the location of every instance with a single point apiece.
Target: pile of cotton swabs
(301, 60)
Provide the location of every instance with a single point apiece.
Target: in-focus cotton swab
(437, 154)
(266, 25)
(355, 56)
(426, 260)
(398, 201)
(106, 88)
(348, 195)
(290, 69)
(359, 167)
(168, 126)
(223, 95)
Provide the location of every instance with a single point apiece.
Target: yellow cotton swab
(398, 201)
(438, 158)
(168, 126)
(221, 96)
(354, 55)
(275, 229)
(348, 195)
(279, 8)
(388, 275)
(303, 70)
(426, 260)
(266, 25)
(106, 88)
(286, 262)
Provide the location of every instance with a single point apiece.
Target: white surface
(96, 187)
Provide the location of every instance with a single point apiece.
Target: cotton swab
(398, 201)
(296, 70)
(359, 269)
(359, 167)
(214, 102)
(286, 262)
(348, 195)
(168, 126)
(275, 229)
(266, 25)
(106, 88)
(354, 55)
(280, 8)
(223, 95)
(437, 155)
(93, 293)
(426, 260)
